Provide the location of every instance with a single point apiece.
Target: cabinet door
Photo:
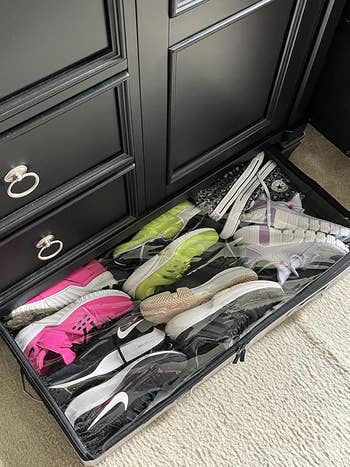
(217, 77)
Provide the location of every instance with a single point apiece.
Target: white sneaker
(291, 216)
(287, 250)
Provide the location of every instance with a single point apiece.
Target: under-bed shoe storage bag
(152, 226)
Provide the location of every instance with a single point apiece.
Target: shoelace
(237, 188)
(268, 200)
(232, 221)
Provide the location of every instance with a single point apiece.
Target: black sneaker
(103, 410)
(224, 318)
(125, 342)
(214, 260)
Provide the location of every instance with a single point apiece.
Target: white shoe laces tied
(268, 200)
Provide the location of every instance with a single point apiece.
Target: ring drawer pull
(46, 243)
(16, 175)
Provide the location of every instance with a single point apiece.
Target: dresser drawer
(66, 227)
(50, 46)
(65, 142)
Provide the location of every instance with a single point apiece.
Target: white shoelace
(268, 200)
(232, 221)
(243, 182)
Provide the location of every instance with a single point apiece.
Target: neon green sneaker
(170, 265)
(163, 229)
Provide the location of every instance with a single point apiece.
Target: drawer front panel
(66, 141)
(71, 224)
(52, 44)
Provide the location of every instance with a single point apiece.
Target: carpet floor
(287, 405)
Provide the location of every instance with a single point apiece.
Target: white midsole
(193, 316)
(66, 296)
(113, 360)
(97, 395)
(29, 332)
(148, 268)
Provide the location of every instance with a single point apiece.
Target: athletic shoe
(170, 265)
(288, 250)
(100, 412)
(245, 297)
(152, 238)
(224, 331)
(241, 200)
(102, 358)
(291, 216)
(162, 307)
(241, 185)
(89, 278)
(49, 340)
(225, 186)
(279, 186)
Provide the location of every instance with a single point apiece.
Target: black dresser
(111, 111)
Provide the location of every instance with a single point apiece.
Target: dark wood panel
(273, 57)
(71, 224)
(330, 105)
(51, 45)
(66, 141)
(153, 50)
(206, 14)
(222, 80)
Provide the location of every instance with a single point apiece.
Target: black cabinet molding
(45, 85)
(201, 18)
(181, 6)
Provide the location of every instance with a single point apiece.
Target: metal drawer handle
(16, 175)
(46, 243)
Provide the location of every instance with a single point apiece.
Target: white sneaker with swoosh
(113, 350)
(99, 413)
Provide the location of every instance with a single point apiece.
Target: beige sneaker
(162, 307)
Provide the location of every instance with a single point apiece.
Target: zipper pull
(240, 355)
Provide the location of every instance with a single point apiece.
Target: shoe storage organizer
(152, 227)
(119, 339)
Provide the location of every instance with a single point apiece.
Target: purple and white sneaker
(262, 247)
(291, 216)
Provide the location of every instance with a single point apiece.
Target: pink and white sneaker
(89, 278)
(50, 339)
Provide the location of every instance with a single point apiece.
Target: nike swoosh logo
(122, 334)
(120, 398)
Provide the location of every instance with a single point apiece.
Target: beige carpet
(326, 164)
(287, 405)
